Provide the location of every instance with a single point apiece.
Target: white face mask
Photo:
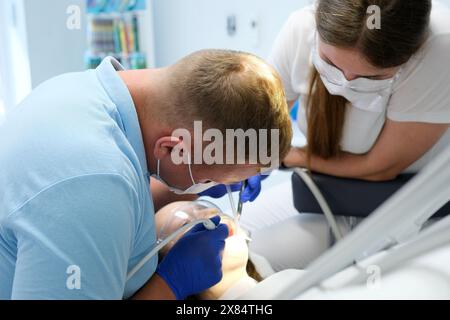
(196, 188)
(362, 93)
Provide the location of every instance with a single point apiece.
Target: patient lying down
(239, 273)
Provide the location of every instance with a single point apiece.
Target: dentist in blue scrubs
(76, 156)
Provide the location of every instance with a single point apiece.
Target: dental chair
(417, 269)
(395, 224)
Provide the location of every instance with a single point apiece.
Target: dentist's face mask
(195, 188)
(362, 93)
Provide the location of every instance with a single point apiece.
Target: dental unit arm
(432, 238)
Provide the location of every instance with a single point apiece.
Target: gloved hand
(250, 193)
(194, 264)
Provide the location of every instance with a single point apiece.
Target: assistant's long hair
(343, 23)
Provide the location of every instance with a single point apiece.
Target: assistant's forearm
(353, 166)
(345, 165)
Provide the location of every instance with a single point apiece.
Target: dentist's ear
(165, 145)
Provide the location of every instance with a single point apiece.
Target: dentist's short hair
(230, 90)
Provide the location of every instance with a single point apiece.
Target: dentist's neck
(150, 92)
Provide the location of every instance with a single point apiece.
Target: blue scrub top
(75, 207)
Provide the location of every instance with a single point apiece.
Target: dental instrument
(240, 203)
(232, 203)
(237, 212)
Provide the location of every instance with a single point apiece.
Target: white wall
(53, 48)
(35, 44)
(184, 26)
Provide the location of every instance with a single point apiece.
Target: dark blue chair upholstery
(349, 197)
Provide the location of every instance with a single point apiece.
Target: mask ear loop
(157, 167)
(190, 169)
(319, 64)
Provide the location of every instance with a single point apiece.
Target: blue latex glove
(250, 192)
(253, 188)
(194, 264)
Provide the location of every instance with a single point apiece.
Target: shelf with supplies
(118, 28)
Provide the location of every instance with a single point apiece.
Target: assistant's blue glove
(250, 192)
(194, 264)
(253, 188)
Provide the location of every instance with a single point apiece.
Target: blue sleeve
(74, 239)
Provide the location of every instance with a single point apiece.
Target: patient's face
(175, 215)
